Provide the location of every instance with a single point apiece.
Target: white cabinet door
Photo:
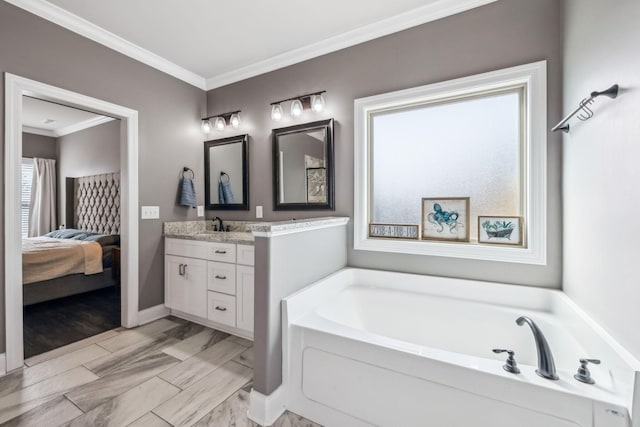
(186, 284)
(244, 298)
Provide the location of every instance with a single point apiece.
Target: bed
(81, 259)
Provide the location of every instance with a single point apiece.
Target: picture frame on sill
(445, 219)
(395, 231)
(500, 230)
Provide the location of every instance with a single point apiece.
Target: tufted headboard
(96, 203)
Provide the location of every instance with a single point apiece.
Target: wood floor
(167, 373)
(53, 324)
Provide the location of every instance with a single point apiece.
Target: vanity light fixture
(220, 121)
(314, 101)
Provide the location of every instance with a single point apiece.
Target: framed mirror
(226, 173)
(303, 166)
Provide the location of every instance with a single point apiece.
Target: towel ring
(186, 169)
(225, 174)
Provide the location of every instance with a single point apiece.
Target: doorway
(15, 88)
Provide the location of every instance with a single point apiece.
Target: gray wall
(40, 146)
(285, 264)
(600, 163)
(499, 35)
(169, 119)
(88, 152)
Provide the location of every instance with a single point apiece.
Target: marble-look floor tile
(138, 336)
(25, 377)
(202, 364)
(40, 393)
(241, 341)
(53, 413)
(150, 420)
(195, 344)
(196, 401)
(245, 358)
(70, 348)
(186, 330)
(129, 406)
(233, 413)
(98, 392)
(129, 357)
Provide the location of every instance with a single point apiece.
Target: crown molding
(393, 24)
(86, 124)
(36, 131)
(81, 26)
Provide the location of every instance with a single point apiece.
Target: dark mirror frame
(322, 124)
(244, 206)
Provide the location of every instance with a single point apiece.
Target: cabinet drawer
(223, 252)
(222, 308)
(246, 254)
(185, 248)
(222, 277)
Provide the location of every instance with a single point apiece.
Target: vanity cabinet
(211, 283)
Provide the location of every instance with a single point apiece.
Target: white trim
(430, 12)
(15, 88)
(36, 131)
(150, 314)
(411, 18)
(86, 124)
(534, 77)
(3, 362)
(81, 26)
(265, 410)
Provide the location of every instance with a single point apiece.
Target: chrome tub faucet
(546, 366)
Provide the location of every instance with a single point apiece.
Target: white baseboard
(152, 313)
(3, 364)
(265, 410)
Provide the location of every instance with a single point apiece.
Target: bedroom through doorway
(70, 224)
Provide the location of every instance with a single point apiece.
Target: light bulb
(317, 103)
(206, 125)
(276, 112)
(235, 120)
(296, 108)
(220, 124)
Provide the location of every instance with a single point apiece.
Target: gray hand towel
(188, 193)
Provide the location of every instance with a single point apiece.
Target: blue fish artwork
(441, 218)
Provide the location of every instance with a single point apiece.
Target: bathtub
(364, 347)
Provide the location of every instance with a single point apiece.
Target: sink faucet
(546, 366)
(221, 228)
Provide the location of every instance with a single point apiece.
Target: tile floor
(167, 373)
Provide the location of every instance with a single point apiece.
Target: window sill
(487, 252)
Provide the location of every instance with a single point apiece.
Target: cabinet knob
(221, 277)
(180, 270)
(218, 251)
(221, 308)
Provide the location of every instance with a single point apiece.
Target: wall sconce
(220, 121)
(314, 101)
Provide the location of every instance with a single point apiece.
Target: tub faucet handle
(511, 365)
(584, 375)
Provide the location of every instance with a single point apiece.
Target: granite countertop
(241, 238)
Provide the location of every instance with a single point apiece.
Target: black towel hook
(222, 174)
(186, 169)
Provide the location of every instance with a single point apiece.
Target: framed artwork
(502, 230)
(445, 218)
(394, 231)
(317, 185)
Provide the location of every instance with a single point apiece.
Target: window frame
(534, 193)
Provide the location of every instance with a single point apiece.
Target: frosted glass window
(469, 147)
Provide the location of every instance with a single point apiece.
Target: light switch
(200, 211)
(258, 211)
(150, 212)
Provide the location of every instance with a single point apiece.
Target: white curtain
(42, 212)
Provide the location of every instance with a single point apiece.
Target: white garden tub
(364, 347)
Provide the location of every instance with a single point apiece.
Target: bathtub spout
(546, 366)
